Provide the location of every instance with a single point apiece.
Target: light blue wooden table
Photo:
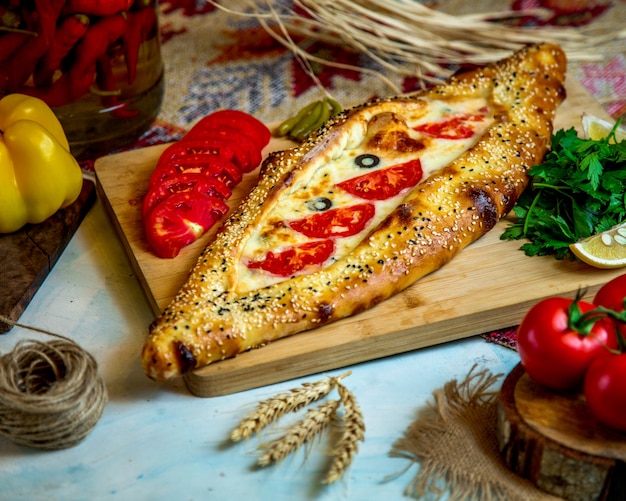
(158, 442)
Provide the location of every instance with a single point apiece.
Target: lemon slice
(604, 250)
(596, 128)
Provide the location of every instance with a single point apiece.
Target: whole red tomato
(611, 295)
(552, 347)
(605, 391)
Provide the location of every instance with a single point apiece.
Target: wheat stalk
(409, 38)
(311, 425)
(314, 421)
(273, 408)
(353, 433)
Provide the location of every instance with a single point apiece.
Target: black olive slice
(367, 161)
(319, 204)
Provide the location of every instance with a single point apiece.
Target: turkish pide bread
(382, 195)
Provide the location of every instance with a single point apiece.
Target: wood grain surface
(28, 255)
(489, 285)
(553, 440)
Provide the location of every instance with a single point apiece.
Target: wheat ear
(353, 432)
(273, 408)
(313, 423)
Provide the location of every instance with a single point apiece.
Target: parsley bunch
(579, 190)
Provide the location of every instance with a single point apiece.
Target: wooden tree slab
(553, 440)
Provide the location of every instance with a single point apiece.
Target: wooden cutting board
(28, 255)
(489, 285)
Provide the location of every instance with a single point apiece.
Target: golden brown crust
(208, 321)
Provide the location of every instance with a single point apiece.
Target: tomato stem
(583, 322)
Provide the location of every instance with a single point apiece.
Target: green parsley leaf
(579, 190)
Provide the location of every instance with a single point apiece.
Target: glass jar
(97, 65)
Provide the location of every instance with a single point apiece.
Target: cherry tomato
(340, 222)
(385, 183)
(552, 351)
(459, 127)
(180, 219)
(605, 391)
(187, 181)
(296, 258)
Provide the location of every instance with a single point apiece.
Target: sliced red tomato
(224, 148)
(181, 219)
(235, 120)
(241, 141)
(206, 164)
(294, 259)
(185, 148)
(193, 178)
(458, 127)
(187, 181)
(382, 184)
(248, 153)
(340, 222)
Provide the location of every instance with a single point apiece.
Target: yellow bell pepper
(38, 174)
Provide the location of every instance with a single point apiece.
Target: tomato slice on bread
(293, 259)
(382, 184)
(340, 222)
(458, 127)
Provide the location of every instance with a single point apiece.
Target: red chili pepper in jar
(16, 70)
(69, 32)
(142, 26)
(100, 8)
(11, 42)
(105, 79)
(76, 82)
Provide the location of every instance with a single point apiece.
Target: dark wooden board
(28, 255)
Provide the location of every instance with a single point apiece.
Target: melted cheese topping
(392, 134)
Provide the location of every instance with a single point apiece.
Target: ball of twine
(51, 395)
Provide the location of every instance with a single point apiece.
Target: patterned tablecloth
(215, 59)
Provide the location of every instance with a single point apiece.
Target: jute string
(51, 395)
